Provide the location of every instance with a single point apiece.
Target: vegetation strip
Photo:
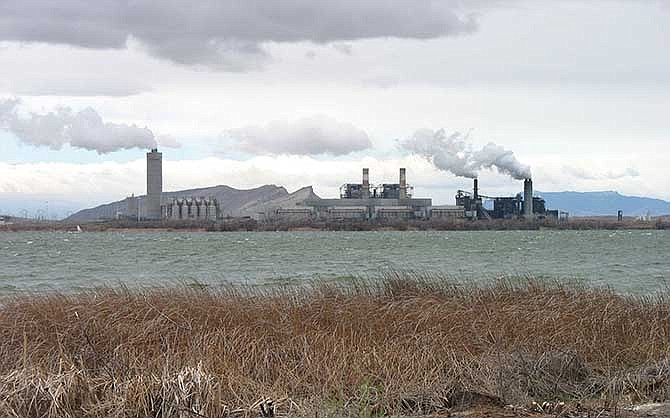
(407, 345)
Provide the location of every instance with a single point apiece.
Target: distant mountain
(604, 203)
(233, 202)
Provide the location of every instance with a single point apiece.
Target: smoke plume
(453, 153)
(84, 129)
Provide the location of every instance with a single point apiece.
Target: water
(629, 261)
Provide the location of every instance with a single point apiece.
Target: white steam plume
(84, 129)
(453, 153)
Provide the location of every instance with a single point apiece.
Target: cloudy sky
(306, 92)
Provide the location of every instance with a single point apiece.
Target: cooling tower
(154, 184)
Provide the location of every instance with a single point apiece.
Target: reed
(409, 344)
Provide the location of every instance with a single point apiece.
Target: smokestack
(476, 189)
(154, 184)
(366, 184)
(528, 198)
(403, 184)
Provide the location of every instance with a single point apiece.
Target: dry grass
(406, 345)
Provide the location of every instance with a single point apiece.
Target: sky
(307, 92)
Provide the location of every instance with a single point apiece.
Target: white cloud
(346, 49)
(588, 173)
(84, 85)
(308, 136)
(84, 129)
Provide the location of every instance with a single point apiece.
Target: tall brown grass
(405, 345)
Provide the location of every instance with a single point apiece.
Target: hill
(604, 203)
(233, 202)
(296, 198)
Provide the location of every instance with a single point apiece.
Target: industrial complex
(362, 201)
(156, 207)
(357, 202)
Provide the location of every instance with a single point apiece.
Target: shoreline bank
(250, 225)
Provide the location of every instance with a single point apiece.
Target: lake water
(629, 261)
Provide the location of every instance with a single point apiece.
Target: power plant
(362, 201)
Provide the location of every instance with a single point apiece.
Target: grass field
(407, 345)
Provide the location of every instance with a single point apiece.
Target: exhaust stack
(154, 184)
(403, 184)
(528, 198)
(365, 192)
(475, 195)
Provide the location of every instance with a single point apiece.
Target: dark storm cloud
(225, 34)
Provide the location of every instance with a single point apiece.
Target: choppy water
(629, 261)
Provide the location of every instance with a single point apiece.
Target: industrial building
(523, 205)
(155, 207)
(132, 207)
(363, 201)
(447, 212)
(386, 201)
(191, 208)
(294, 214)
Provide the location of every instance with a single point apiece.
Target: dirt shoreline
(250, 225)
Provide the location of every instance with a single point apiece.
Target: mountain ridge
(232, 201)
(603, 203)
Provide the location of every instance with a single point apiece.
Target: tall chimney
(365, 192)
(154, 184)
(403, 184)
(476, 189)
(528, 198)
